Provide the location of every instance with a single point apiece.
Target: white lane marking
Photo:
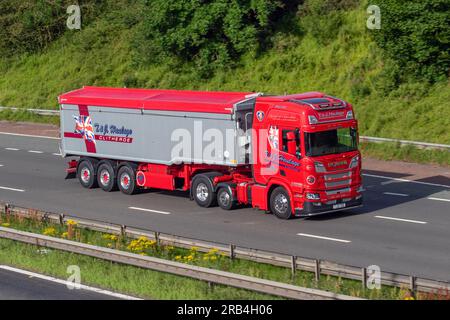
(11, 189)
(1, 165)
(402, 220)
(323, 238)
(12, 149)
(57, 154)
(396, 194)
(406, 180)
(438, 199)
(67, 283)
(28, 135)
(149, 210)
(33, 151)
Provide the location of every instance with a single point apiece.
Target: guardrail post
(157, 238)
(232, 253)
(61, 219)
(364, 277)
(412, 286)
(6, 209)
(293, 265)
(317, 269)
(123, 231)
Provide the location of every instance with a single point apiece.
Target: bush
(416, 35)
(211, 34)
(30, 25)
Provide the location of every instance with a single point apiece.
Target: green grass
(23, 256)
(117, 277)
(394, 151)
(348, 65)
(26, 116)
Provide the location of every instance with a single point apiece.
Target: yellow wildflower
(49, 232)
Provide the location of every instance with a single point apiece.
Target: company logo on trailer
(100, 132)
(83, 126)
(113, 133)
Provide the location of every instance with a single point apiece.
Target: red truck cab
(311, 163)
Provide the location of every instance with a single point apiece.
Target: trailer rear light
(349, 115)
(354, 163)
(319, 167)
(312, 196)
(312, 120)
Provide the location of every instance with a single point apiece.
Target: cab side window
(290, 141)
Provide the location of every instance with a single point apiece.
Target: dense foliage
(416, 34)
(210, 33)
(30, 25)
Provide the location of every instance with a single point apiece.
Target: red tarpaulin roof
(153, 99)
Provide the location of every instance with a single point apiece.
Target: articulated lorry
(293, 155)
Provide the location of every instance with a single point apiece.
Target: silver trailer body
(160, 137)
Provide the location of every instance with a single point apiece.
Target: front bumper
(309, 209)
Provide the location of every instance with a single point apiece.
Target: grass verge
(395, 151)
(157, 285)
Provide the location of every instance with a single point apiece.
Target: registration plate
(339, 206)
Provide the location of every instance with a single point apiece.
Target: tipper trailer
(293, 155)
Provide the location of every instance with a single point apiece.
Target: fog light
(311, 179)
(312, 196)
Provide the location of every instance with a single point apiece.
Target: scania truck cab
(311, 163)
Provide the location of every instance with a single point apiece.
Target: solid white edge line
(64, 282)
(438, 199)
(396, 194)
(149, 210)
(33, 151)
(28, 135)
(11, 189)
(402, 220)
(12, 149)
(323, 238)
(406, 180)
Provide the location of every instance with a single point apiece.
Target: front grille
(333, 192)
(341, 175)
(338, 183)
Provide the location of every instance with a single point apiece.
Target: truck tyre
(225, 199)
(86, 174)
(203, 192)
(126, 180)
(280, 204)
(106, 177)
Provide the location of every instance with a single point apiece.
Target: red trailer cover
(153, 99)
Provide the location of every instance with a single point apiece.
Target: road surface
(16, 284)
(404, 226)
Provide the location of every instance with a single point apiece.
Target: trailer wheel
(126, 180)
(280, 204)
(225, 199)
(106, 177)
(203, 192)
(86, 174)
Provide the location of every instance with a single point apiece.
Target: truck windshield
(330, 142)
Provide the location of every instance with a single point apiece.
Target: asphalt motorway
(404, 226)
(15, 285)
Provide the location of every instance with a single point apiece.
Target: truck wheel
(126, 180)
(280, 205)
(86, 174)
(106, 177)
(225, 199)
(203, 193)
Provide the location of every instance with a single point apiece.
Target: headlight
(312, 196)
(354, 163)
(312, 120)
(349, 115)
(319, 167)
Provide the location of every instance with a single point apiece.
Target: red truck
(293, 155)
